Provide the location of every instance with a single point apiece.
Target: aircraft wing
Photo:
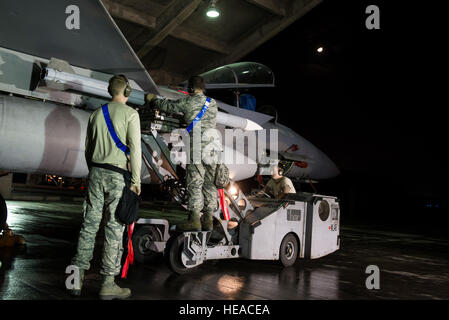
(38, 28)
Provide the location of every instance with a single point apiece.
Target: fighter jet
(53, 75)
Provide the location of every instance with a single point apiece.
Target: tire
(176, 245)
(3, 213)
(141, 237)
(288, 252)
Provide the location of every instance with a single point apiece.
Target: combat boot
(192, 224)
(207, 221)
(77, 292)
(109, 290)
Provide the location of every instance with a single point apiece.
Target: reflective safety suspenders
(199, 116)
(125, 149)
(223, 203)
(114, 136)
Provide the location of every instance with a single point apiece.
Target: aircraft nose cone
(322, 166)
(329, 168)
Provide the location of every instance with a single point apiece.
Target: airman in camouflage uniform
(105, 187)
(200, 169)
(278, 186)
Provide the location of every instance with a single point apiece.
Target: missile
(237, 122)
(99, 88)
(86, 85)
(223, 118)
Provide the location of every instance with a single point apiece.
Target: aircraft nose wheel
(288, 252)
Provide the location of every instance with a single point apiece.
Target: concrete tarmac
(411, 266)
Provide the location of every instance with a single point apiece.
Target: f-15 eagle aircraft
(52, 78)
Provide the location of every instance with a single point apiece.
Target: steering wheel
(260, 193)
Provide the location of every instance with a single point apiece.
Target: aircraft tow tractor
(304, 225)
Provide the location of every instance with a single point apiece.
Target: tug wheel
(141, 240)
(175, 247)
(288, 252)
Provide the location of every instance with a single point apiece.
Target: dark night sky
(373, 100)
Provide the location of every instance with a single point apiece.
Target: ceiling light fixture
(212, 11)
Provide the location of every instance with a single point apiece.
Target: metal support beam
(134, 16)
(276, 7)
(128, 14)
(169, 20)
(261, 34)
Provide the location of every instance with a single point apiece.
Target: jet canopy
(239, 75)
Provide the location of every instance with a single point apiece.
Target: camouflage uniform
(105, 189)
(279, 187)
(200, 170)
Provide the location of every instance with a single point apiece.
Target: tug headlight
(233, 190)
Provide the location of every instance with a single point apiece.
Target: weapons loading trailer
(303, 226)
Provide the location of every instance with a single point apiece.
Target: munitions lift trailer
(304, 225)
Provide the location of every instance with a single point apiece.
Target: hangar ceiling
(175, 38)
